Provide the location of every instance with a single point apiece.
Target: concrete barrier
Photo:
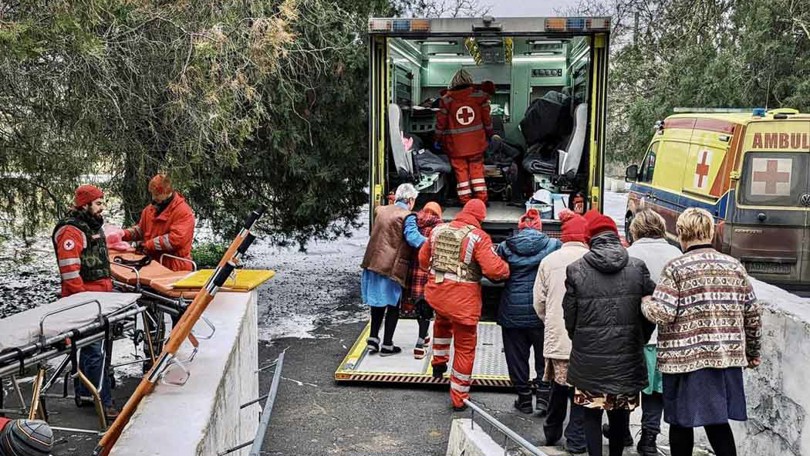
(203, 417)
(779, 390)
(469, 439)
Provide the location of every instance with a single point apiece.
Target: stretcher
(61, 329)
(171, 292)
(489, 369)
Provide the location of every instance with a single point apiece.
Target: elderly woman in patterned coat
(415, 304)
(709, 329)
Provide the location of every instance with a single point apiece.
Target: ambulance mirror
(631, 173)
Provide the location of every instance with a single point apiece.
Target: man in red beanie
(458, 255)
(81, 248)
(549, 291)
(81, 253)
(166, 226)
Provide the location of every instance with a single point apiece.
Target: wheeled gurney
(61, 329)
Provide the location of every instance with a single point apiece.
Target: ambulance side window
(648, 166)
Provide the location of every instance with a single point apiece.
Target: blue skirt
(379, 291)
(704, 397)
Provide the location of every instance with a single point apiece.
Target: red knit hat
(599, 223)
(476, 208)
(86, 194)
(574, 227)
(160, 185)
(531, 219)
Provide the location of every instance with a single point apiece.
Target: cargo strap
(137, 264)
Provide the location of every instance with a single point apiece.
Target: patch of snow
(312, 289)
(779, 299)
(615, 207)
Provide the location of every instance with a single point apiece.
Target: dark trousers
(561, 397)
(619, 421)
(652, 407)
(517, 345)
(682, 440)
(91, 363)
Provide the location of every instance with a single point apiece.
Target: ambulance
(749, 170)
(526, 62)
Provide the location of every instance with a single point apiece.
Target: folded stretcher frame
(65, 326)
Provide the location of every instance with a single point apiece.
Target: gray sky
(516, 8)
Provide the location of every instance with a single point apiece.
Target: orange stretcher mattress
(154, 275)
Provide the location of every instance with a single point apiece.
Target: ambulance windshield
(775, 179)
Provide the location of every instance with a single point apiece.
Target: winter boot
(373, 344)
(542, 392)
(524, 403)
(439, 370)
(646, 445)
(420, 350)
(628, 439)
(389, 350)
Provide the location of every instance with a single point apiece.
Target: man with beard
(81, 251)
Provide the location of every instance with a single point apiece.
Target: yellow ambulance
(749, 169)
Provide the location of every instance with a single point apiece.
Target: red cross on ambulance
(465, 115)
(771, 176)
(702, 169)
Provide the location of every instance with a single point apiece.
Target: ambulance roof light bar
(488, 25)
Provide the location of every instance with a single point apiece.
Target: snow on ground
(311, 289)
(616, 207)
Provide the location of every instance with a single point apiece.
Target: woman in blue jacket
(520, 326)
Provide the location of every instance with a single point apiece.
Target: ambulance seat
(576, 142)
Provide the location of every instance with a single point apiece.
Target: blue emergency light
(759, 112)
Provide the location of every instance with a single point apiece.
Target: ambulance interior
(540, 93)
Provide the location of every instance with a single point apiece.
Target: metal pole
(502, 428)
(256, 449)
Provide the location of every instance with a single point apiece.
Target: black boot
(439, 370)
(646, 445)
(542, 394)
(628, 439)
(524, 403)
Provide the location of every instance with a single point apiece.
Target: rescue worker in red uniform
(457, 255)
(463, 127)
(166, 226)
(81, 253)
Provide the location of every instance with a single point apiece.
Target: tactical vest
(95, 260)
(447, 255)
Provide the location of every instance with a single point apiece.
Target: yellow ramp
(361, 366)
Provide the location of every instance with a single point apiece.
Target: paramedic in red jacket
(457, 255)
(166, 226)
(463, 126)
(81, 253)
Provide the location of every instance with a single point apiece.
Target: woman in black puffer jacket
(603, 318)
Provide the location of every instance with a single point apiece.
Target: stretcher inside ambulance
(546, 83)
(545, 80)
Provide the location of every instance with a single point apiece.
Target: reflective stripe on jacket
(170, 232)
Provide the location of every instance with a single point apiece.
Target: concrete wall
(779, 390)
(467, 439)
(203, 417)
